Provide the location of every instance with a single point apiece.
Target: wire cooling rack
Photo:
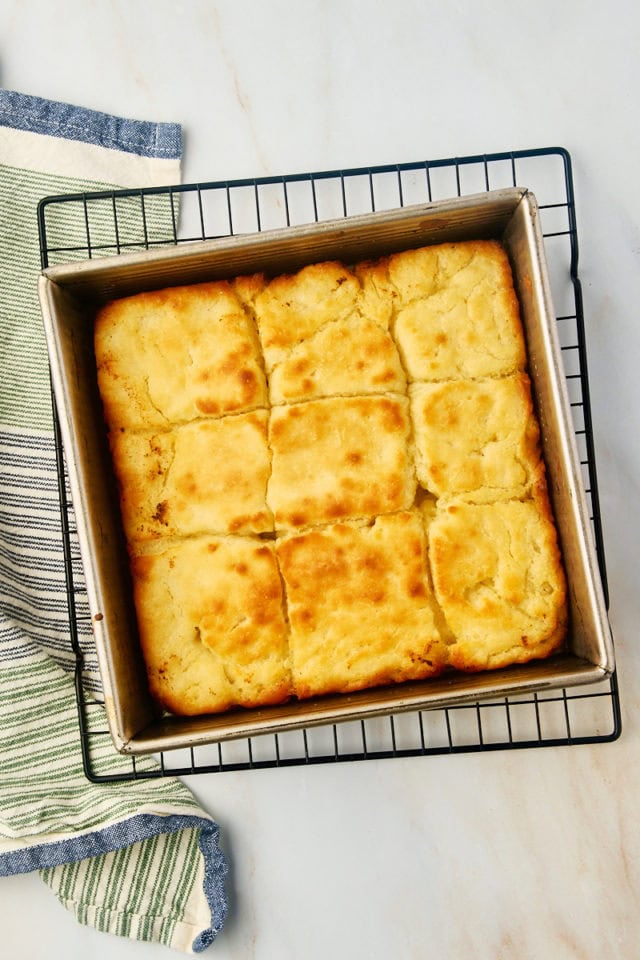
(86, 225)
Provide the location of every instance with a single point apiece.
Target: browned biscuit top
(459, 316)
(172, 356)
(475, 435)
(212, 627)
(340, 458)
(209, 476)
(360, 606)
(499, 581)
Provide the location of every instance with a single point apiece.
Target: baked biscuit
(326, 333)
(498, 579)
(360, 605)
(418, 274)
(293, 308)
(211, 622)
(204, 477)
(458, 315)
(339, 458)
(172, 356)
(473, 434)
(348, 357)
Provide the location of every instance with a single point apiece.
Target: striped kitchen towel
(140, 859)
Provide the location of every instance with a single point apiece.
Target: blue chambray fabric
(152, 855)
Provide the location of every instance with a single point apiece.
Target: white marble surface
(519, 856)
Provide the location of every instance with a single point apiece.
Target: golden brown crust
(378, 296)
(351, 357)
(456, 300)
(204, 477)
(475, 434)
(372, 620)
(325, 332)
(499, 581)
(339, 458)
(212, 627)
(172, 356)
(293, 308)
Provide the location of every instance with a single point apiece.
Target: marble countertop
(512, 855)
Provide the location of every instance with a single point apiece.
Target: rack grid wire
(107, 222)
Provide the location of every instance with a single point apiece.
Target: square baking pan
(70, 296)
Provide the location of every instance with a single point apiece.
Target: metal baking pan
(70, 296)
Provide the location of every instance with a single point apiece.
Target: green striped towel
(139, 859)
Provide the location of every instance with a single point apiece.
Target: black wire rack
(86, 225)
